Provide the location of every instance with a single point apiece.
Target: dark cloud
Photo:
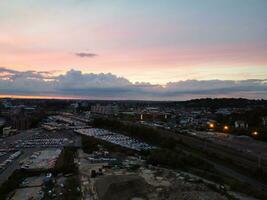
(14, 74)
(100, 86)
(85, 55)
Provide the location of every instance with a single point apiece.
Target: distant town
(105, 150)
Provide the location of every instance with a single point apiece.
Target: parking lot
(115, 138)
(36, 138)
(51, 142)
(39, 160)
(29, 141)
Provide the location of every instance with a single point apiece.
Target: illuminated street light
(255, 133)
(226, 128)
(211, 125)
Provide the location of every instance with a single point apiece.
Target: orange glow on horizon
(37, 97)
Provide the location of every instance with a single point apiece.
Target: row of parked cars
(42, 143)
(115, 138)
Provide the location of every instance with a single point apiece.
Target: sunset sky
(174, 49)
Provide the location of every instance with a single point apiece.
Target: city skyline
(171, 50)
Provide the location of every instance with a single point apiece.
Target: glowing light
(255, 133)
(211, 125)
(226, 128)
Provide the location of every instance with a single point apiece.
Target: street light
(211, 125)
(226, 128)
(255, 133)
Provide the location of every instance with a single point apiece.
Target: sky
(133, 49)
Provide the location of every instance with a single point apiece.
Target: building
(21, 122)
(241, 124)
(23, 118)
(159, 116)
(105, 110)
(8, 131)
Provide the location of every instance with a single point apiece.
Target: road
(259, 186)
(7, 172)
(255, 184)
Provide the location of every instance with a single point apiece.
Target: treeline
(253, 118)
(71, 192)
(68, 165)
(223, 103)
(46, 104)
(178, 159)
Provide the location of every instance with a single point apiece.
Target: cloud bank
(108, 86)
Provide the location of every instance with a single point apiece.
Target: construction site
(131, 178)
